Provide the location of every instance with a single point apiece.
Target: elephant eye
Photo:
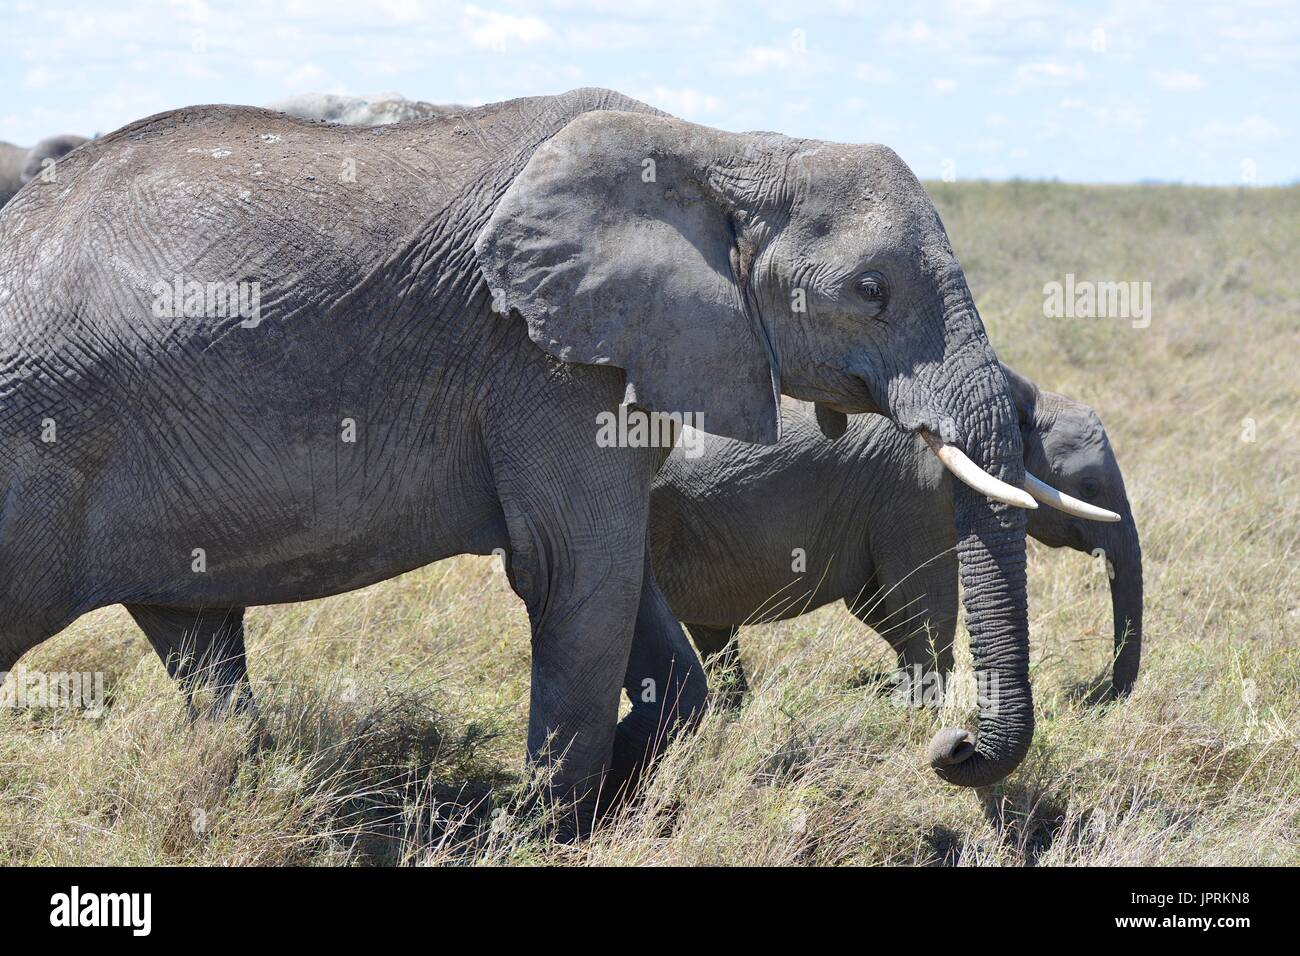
(874, 291)
(1090, 488)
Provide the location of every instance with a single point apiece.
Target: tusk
(1063, 502)
(972, 474)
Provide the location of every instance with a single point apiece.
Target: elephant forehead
(1075, 431)
(866, 173)
(838, 243)
(856, 219)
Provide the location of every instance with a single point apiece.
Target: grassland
(398, 712)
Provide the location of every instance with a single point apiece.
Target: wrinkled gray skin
(19, 166)
(470, 300)
(362, 110)
(872, 515)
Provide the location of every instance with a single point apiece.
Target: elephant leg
(578, 570)
(916, 612)
(720, 649)
(664, 682)
(20, 632)
(201, 648)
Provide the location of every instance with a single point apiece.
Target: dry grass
(398, 712)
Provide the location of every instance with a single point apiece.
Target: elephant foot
(728, 690)
(575, 824)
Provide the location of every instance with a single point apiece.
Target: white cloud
(268, 66)
(918, 31)
(686, 102)
(1126, 115)
(1047, 73)
(608, 35)
(307, 76)
(195, 11)
(972, 8)
(877, 75)
(1177, 81)
(403, 11)
(501, 31)
(1254, 128)
(941, 86)
(37, 78)
(762, 59)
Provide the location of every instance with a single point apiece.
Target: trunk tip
(950, 746)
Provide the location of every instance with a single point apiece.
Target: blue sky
(1092, 92)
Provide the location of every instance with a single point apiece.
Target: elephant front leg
(916, 612)
(664, 683)
(582, 597)
(572, 714)
(201, 648)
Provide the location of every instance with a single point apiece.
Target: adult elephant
(19, 166)
(745, 534)
(433, 320)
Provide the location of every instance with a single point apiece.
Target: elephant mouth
(971, 474)
(842, 409)
(859, 401)
(848, 392)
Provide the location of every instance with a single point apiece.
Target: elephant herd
(445, 310)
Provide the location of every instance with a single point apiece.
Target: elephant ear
(616, 250)
(1024, 393)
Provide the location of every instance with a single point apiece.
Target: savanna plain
(395, 716)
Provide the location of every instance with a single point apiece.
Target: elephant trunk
(1126, 604)
(991, 555)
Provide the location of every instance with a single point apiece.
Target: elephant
(381, 109)
(743, 534)
(19, 166)
(247, 359)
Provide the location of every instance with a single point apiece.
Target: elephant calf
(745, 534)
(19, 165)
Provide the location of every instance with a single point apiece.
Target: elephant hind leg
(201, 648)
(720, 650)
(21, 630)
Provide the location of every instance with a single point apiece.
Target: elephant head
(719, 270)
(49, 150)
(1066, 444)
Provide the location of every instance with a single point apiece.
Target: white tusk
(1063, 502)
(972, 474)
